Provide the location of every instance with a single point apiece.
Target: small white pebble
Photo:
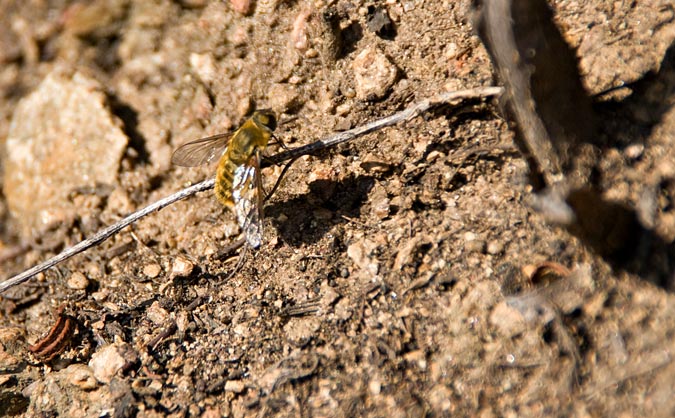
(181, 267)
(375, 387)
(204, 66)
(495, 247)
(106, 362)
(634, 151)
(469, 236)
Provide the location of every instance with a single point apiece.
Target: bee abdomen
(224, 178)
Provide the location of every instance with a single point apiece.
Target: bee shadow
(306, 218)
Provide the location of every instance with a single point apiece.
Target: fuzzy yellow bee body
(238, 182)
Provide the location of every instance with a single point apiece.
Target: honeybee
(238, 182)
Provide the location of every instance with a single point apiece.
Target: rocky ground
(403, 274)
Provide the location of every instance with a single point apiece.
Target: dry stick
(105, 234)
(408, 113)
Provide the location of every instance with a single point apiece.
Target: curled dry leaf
(58, 338)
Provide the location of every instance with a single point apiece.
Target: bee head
(265, 118)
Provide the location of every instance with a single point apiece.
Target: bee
(238, 183)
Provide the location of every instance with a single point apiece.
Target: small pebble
(299, 37)
(81, 375)
(495, 247)
(236, 386)
(469, 236)
(362, 254)
(634, 151)
(152, 270)
(101, 296)
(343, 109)
(155, 385)
(157, 314)
(375, 387)
(374, 74)
(349, 93)
(417, 357)
(244, 7)
(451, 51)
(106, 362)
(204, 66)
(181, 267)
(434, 155)
(342, 125)
(77, 281)
(381, 208)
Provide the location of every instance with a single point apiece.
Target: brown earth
(395, 275)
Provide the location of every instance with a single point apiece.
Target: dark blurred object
(379, 22)
(544, 95)
(557, 132)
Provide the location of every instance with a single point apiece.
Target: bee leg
(281, 176)
(240, 263)
(225, 252)
(278, 141)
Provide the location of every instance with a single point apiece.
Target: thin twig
(106, 233)
(452, 98)
(414, 110)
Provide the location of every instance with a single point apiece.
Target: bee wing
(248, 203)
(201, 151)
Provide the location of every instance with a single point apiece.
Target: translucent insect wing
(201, 151)
(247, 196)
